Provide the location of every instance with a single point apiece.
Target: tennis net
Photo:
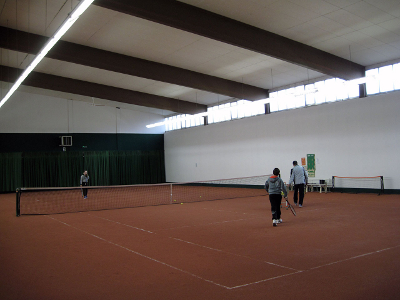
(32, 201)
(358, 184)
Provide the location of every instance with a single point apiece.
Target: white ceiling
(366, 32)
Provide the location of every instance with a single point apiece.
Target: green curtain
(98, 167)
(119, 168)
(10, 171)
(61, 169)
(136, 167)
(35, 171)
(41, 169)
(71, 167)
(153, 160)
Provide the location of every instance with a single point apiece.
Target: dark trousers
(84, 191)
(300, 189)
(275, 206)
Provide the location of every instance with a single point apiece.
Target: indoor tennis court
(223, 249)
(136, 138)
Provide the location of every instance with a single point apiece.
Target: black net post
(382, 186)
(18, 202)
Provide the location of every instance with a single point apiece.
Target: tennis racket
(291, 207)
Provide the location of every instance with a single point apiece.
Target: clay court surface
(339, 246)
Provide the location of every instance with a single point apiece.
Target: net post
(333, 183)
(171, 195)
(18, 201)
(382, 191)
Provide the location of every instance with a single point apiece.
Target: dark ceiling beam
(205, 23)
(65, 51)
(84, 88)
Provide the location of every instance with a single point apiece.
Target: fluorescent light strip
(263, 101)
(73, 16)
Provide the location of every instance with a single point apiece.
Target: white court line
(173, 228)
(142, 255)
(354, 257)
(264, 280)
(336, 262)
(198, 245)
(315, 209)
(231, 211)
(238, 255)
(133, 227)
(303, 209)
(208, 224)
(210, 281)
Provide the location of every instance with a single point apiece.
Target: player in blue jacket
(299, 178)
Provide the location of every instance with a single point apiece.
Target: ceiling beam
(65, 51)
(84, 88)
(208, 24)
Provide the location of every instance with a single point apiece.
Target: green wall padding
(61, 169)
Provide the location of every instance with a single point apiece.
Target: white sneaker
(280, 221)
(275, 222)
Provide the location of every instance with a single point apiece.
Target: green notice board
(311, 165)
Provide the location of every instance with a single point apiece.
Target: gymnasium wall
(32, 122)
(358, 137)
(33, 113)
(114, 144)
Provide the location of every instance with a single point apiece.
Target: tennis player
(85, 182)
(275, 186)
(300, 178)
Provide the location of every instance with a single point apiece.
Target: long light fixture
(263, 101)
(73, 16)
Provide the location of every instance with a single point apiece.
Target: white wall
(358, 137)
(33, 113)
